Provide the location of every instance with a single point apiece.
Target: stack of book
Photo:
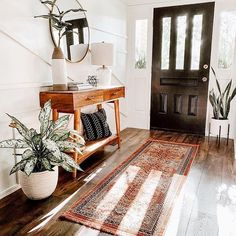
(75, 86)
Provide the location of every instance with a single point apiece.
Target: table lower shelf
(93, 146)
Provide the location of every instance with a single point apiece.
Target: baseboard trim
(10, 190)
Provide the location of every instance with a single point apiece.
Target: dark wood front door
(182, 38)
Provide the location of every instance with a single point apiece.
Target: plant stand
(218, 137)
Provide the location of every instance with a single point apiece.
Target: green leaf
(37, 139)
(19, 166)
(44, 16)
(60, 135)
(233, 94)
(27, 154)
(70, 161)
(47, 2)
(53, 159)
(80, 139)
(62, 122)
(67, 167)
(29, 167)
(51, 3)
(31, 133)
(217, 82)
(46, 164)
(52, 147)
(72, 10)
(57, 27)
(21, 128)
(228, 88)
(69, 146)
(44, 117)
(227, 110)
(13, 143)
(67, 32)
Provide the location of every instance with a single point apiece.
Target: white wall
(139, 84)
(25, 52)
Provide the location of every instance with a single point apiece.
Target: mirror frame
(53, 39)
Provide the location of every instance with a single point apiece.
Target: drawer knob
(90, 98)
(113, 94)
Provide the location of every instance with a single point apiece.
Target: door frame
(169, 120)
(145, 11)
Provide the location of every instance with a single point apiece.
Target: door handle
(204, 79)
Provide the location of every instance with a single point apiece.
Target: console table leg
(76, 127)
(55, 114)
(117, 115)
(99, 106)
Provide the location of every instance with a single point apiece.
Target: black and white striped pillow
(95, 125)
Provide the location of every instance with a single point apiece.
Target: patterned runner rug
(138, 196)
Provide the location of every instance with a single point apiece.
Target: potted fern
(57, 21)
(43, 152)
(221, 104)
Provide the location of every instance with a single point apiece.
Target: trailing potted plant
(43, 152)
(221, 104)
(59, 72)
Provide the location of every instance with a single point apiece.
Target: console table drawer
(89, 98)
(114, 94)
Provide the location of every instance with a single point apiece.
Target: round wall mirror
(75, 42)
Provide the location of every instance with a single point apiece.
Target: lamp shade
(102, 54)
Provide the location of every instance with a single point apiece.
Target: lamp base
(104, 76)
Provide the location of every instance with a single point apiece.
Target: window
(180, 48)
(196, 42)
(227, 40)
(141, 44)
(165, 48)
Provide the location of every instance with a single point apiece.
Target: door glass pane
(196, 42)
(227, 40)
(181, 35)
(165, 50)
(141, 44)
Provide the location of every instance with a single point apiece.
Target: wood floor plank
(204, 213)
(202, 199)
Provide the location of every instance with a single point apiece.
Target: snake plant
(57, 19)
(45, 149)
(221, 100)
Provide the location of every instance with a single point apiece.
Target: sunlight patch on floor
(226, 210)
(93, 175)
(53, 212)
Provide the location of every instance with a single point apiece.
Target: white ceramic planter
(40, 185)
(215, 126)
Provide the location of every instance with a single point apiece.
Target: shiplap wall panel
(26, 49)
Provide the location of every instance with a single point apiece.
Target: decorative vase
(39, 185)
(216, 124)
(59, 72)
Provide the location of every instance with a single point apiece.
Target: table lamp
(102, 54)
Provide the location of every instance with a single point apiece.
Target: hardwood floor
(208, 205)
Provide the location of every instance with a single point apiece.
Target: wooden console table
(72, 102)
